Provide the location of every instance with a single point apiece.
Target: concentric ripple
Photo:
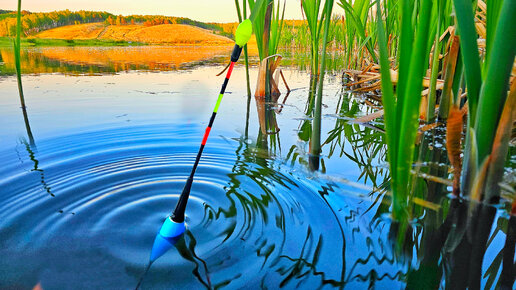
(94, 202)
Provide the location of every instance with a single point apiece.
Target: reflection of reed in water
(267, 115)
(367, 142)
(31, 145)
(268, 137)
(185, 246)
(257, 171)
(264, 212)
(309, 256)
(456, 247)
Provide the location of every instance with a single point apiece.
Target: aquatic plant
(357, 31)
(443, 21)
(267, 26)
(242, 15)
(314, 20)
(490, 106)
(315, 140)
(402, 106)
(17, 57)
(17, 62)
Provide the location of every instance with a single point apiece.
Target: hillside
(35, 22)
(157, 34)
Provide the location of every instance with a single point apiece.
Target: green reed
(17, 57)
(487, 90)
(357, 30)
(402, 105)
(242, 15)
(315, 141)
(442, 22)
(17, 64)
(314, 21)
(274, 21)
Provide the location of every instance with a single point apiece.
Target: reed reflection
(268, 135)
(30, 146)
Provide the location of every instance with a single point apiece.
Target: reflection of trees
(91, 61)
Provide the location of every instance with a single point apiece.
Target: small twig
(284, 81)
(224, 69)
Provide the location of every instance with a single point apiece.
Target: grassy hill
(35, 22)
(157, 34)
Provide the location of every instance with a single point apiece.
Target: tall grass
(486, 80)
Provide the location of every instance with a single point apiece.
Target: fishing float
(174, 225)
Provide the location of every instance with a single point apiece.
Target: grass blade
(469, 52)
(494, 89)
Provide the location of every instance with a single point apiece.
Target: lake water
(109, 140)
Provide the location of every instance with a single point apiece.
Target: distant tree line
(151, 20)
(33, 23)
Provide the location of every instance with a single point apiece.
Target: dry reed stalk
(369, 118)
(262, 71)
(453, 145)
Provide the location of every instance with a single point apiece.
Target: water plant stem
(315, 141)
(17, 55)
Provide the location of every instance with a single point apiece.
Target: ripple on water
(93, 203)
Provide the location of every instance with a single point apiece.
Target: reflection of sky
(202, 10)
(61, 105)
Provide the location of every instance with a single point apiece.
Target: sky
(202, 10)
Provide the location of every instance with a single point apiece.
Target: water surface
(113, 143)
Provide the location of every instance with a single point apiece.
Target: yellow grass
(158, 34)
(80, 31)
